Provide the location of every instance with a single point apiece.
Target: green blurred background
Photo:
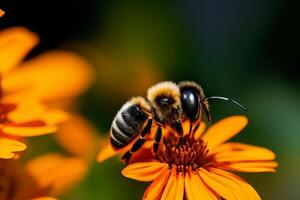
(247, 50)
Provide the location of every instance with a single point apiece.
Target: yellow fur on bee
(167, 88)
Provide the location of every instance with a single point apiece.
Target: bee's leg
(193, 128)
(157, 139)
(194, 125)
(139, 143)
(136, 146)
(196, 128)
(179, 130)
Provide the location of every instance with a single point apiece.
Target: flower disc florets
(189, 154)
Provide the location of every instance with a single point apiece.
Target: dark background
(247, 50)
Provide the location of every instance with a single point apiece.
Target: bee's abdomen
(127, 125)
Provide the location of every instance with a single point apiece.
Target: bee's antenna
(227, 99)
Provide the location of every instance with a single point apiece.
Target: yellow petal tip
(105, 153)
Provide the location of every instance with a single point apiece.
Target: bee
(167, 104)
(129, 122)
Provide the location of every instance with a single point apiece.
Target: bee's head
(165, 100)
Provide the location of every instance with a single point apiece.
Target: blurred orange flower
(48, 175)
(1, 13)
(21, 113)
(199, 168)
(56, 173)
(56, 78)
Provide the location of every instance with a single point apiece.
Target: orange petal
(155, 190)
(254, 166)
(9, 147)
(44, 198)
(25, 110)
(51, 76)
(185, 127)
(224, 130)
(15, 43)
(232, 151)
(175, 187)
(144, 171)
(180, 186)
(106, 152)
(234, 187)
(28, 131)
(85, 139)
(217, 185)
(144, 154)
(242, 185)
(31, 110)
(53, 116)
(56, 171)
(196, 189)
(200, 131)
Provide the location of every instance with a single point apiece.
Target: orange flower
(48, 175)
(59, 93)
(56, 78)
(21, 113)
(199, 168)
(1, 13)
(56, 173)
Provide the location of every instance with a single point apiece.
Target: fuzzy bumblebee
(167, 104)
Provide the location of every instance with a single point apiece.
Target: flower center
(4, 110)
(190, 154)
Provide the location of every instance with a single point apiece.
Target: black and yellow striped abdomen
(127, 124)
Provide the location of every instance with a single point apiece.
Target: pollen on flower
(191, 154)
